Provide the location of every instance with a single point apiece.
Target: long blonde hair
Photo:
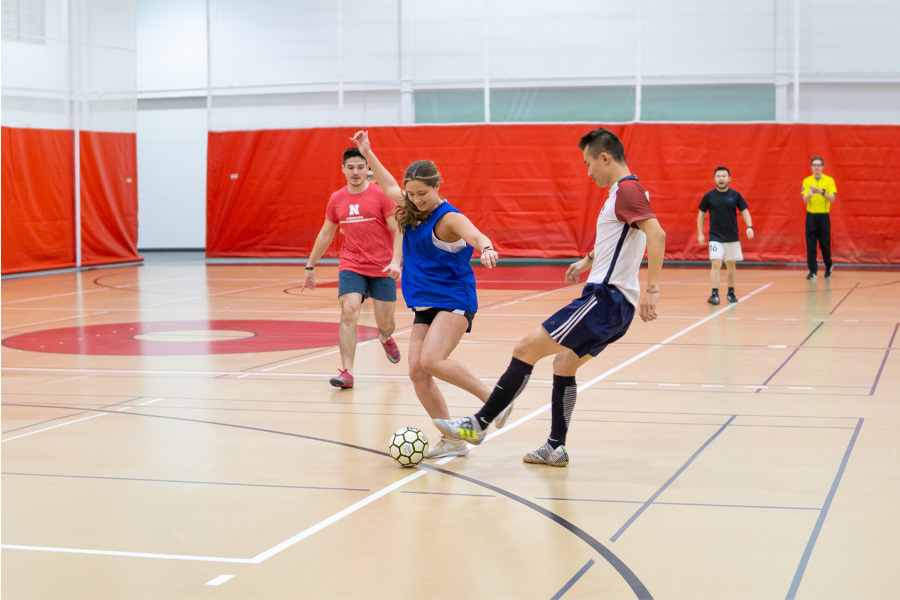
(407, 213)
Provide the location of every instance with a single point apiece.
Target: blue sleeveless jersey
(433, 276)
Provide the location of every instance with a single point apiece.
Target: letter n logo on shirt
(354, 209)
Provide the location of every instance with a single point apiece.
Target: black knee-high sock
(511, 384)
(563, 403)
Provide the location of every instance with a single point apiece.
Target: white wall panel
(171, 42)
(708, 37)
(171, 149)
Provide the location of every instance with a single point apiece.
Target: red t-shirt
(368, 241)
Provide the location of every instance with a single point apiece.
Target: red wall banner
(526, 187)
(109, 200)
(39, 199)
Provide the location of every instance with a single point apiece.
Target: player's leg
(528, 351)
(430, 395)
(825, 242)
(351, 302)
(812, 237)
(731, 268)
(383, 291)
(444, 335)
(426, 388)
(715, 251)
(384, 319)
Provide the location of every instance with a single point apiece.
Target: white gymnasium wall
(324, 63)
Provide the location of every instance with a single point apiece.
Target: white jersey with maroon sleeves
(620, 245)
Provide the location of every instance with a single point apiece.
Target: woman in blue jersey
(437, 283)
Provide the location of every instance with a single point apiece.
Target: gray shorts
(379, 288)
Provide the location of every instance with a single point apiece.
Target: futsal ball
(408, 446)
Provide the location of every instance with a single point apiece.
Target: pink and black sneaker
(391, 350)
(344, 380)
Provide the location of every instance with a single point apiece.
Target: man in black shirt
(724, 241)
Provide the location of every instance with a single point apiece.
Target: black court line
(448, 494)
(572, 581)
(681, 470)
(884, 360)
(703, 424)
(804, 560)
(844, 298)
(797, 349)
(639, 589)
(150, 480)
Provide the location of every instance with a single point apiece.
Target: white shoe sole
(462, 452)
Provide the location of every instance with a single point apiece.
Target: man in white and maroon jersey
(370, 260)
(580, 331)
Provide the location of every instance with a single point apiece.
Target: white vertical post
(208, 69)
(340, 52)
(75, 86)
(796, 61)
(487, 61)
(638, 60)
(405, 59)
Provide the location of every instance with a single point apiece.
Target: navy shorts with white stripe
(589, 324)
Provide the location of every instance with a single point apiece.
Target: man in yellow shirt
(819, 193)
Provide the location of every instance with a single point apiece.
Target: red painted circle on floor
(118, 339)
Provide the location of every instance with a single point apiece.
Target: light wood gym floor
(747, 450)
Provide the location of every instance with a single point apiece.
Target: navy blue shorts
(379, 288)
(426, 316)
(590, 323)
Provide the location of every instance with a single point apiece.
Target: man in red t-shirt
(370, 259)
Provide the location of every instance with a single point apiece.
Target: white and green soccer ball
(408, 446)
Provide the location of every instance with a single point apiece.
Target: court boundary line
(823, 512)
(671, 479)
(610, 557)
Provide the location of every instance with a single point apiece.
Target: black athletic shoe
(827, 273)
(714, 299)
(731, 297)
(811, 276)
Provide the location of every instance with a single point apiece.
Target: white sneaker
(500, 421)
(464, 428)
(546, 455)
(447, 447)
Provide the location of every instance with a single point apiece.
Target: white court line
(219, 580)
(315, 356)
(131, 554)
(386, 490)
(149, 402)
(711, 385)
(69, 318)
(51, 427)
(103, 289)
(670, 384)
(799, 388)
(258, 287)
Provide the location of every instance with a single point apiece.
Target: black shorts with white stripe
(590, 323)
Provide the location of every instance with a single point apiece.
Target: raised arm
(384, 178)
(656, 249)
